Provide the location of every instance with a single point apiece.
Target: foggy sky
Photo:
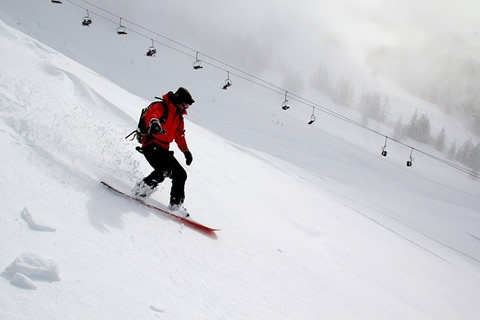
(358, 25)
(294, 37)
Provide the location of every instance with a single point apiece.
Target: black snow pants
(165, 166)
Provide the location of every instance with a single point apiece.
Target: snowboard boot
(142, 190)
(179, 210)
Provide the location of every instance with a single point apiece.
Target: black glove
(188, 157)
(155, 127)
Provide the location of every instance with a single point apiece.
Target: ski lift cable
(206, 62)
(138, 25)
(131, 30)
(257, 80)
(159, 42)
(93, 5)
(451, 164)
(183, 45)
(142, 34)
(446, 162)
(337, 115)
(264, 83)
(94, 13)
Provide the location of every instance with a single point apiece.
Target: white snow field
(315, 224)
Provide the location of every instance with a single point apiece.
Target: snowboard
(186, 221)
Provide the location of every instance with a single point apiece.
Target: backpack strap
(164, 117)
(141, 123)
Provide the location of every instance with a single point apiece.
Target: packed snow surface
(319, 227)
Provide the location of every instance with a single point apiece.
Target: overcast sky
(357, 24)
(257, 36)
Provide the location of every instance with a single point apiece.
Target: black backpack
(142, 127)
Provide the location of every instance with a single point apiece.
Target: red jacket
(173, 126)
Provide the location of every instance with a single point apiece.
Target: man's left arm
(181, 142)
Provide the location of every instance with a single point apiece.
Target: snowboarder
(165, 124)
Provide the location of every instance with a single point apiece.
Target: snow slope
(359, 237)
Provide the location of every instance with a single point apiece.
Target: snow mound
(31, 266)
(27, 217)
(22, 281)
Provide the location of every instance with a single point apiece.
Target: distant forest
(376, 106)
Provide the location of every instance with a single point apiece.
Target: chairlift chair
(410, 162)
(285, 105)
(87, 21)
(384, 152)
(312, 117)
(198, 63)
(57, 1)
(151, 50)
(228, 82)
(121, 29)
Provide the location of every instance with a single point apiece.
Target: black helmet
(183, 96)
